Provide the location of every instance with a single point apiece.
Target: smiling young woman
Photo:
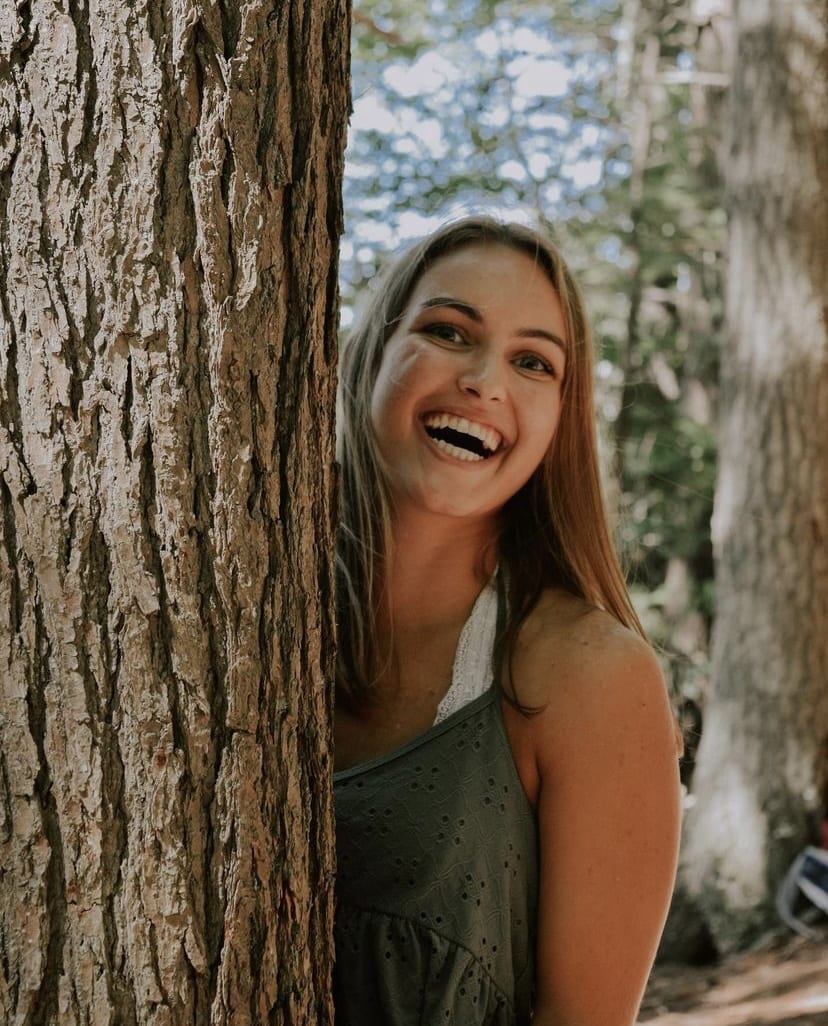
(507, 787)
(478, 357)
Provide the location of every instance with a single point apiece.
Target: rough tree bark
(763, 759)
(169, 215)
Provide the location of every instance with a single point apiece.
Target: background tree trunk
(169, 216)
(763, 759)
(637, 96)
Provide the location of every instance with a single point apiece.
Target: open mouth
(461, 438)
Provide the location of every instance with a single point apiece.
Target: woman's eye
(531, 362)
(445, 333)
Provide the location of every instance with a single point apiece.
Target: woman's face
(468, 394)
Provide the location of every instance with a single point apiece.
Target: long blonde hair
(554, 531)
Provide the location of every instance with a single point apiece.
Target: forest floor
(785, 984)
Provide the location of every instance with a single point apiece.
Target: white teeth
(488, 436)
(458, 453)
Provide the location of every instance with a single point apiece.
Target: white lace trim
(473, 671)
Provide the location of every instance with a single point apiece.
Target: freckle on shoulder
(566, 619)
(567, 642)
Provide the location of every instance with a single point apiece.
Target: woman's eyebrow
(456, 304)
(550, 336)
(475, 315)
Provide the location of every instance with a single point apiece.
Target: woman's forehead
(468, 263)
(490, 279)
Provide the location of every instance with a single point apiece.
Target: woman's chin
(439, 504)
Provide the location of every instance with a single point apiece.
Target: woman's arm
(609, 816)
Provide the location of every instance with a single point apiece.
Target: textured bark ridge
(169, 214)
(763, 760)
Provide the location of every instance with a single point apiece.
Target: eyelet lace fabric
(473, 671)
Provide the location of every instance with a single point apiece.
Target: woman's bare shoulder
(581, 667)
(572, 634)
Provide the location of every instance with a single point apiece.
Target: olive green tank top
(437, 880)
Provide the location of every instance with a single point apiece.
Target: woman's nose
(483, 378)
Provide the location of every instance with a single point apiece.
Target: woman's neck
(438, 567)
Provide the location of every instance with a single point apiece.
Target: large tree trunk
(169, 212)
(763, 760)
